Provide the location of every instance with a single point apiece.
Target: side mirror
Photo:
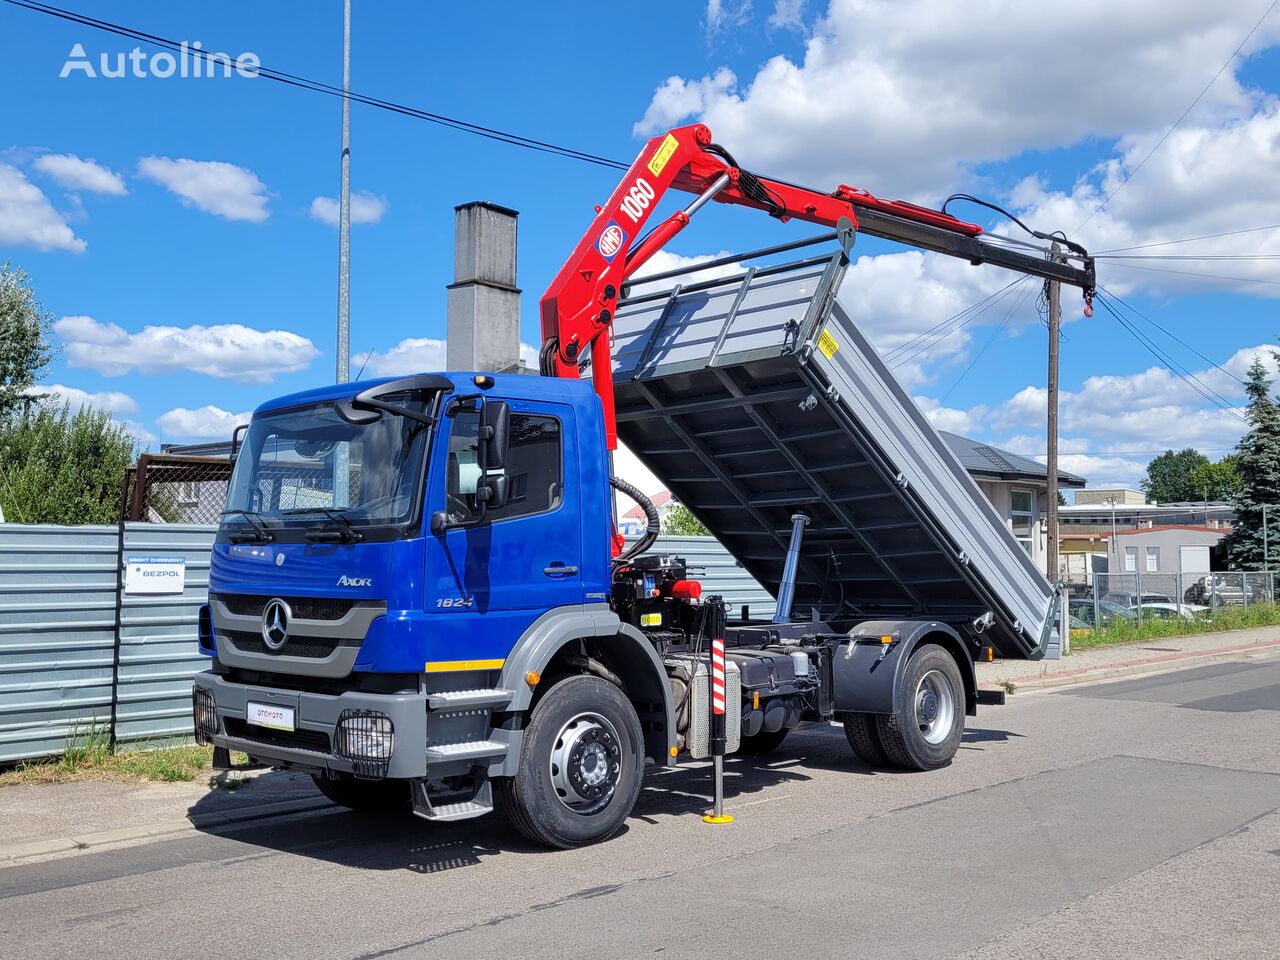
(352, 414)
(495, 490)
(236, 437)
(496, 426)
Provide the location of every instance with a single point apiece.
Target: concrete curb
(161, 828)
(1126, 668)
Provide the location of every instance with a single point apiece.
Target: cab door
(487, 581)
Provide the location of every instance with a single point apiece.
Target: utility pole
(1054, 290)
(344, 208)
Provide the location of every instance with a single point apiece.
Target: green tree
(1216, 481)
(1168, 477)
(1258, 465)
(25, 346)
(679, 521)
(62, 467)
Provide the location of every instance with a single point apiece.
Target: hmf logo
(611, 241)
(345, 581)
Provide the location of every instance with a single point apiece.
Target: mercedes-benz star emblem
(275, 623)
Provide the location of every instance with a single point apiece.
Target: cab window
(534, 469)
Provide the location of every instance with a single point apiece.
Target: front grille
(313, 648)
(303, 608)
(312, 740)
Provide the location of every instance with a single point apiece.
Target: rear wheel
(863, 735)
(374, 797)
(580, 765)
(763, 742)
(925, 732)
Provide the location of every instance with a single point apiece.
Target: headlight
(366, 738)
(205, 713)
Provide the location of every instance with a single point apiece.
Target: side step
(469, 750)
(460, 699)
(477, 806)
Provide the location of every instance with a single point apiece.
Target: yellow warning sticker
(650, 619)
(665, 149)
(827, 344)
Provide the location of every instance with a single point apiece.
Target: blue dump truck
(417, 596)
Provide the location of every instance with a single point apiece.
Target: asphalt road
(1131, 819)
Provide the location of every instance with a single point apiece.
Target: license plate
(269, 715)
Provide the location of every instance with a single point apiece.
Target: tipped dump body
(755, 396)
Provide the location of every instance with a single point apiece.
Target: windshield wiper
(346, 533)
(259, 534)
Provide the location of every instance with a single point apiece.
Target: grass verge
(1231, 618)
(89, 757)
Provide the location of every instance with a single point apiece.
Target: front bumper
(311, 746)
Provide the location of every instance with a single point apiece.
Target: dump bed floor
(755, 397)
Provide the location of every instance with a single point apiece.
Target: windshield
(305, 463)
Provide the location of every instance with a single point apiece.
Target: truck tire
(373, 797)
(580, 766)
(763, 742)
(925, 733)
(863, 734)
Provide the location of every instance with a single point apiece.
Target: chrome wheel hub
(935, 707)
(586, 763)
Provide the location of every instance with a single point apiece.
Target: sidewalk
(46, 819)
(1145, 656)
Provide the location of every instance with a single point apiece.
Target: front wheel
(925, 732)
(580, 765)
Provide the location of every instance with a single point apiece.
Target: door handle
(559, 570)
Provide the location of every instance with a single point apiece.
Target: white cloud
(908, 97)
(215, 187)
(787, 15)
(419, 355)
(724, 15)
(76, 173)
(229, 351)
(203, 423)
(28, 219)
(113, 401)
(1113, 424)
(365, 208)
(663, 261)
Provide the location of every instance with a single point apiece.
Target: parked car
(1129, 598)
(1174, 611)
(1219, 590)
(1083, 609)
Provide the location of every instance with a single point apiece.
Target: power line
(979, 308)
(1213, 256)
(1177, 369)
(1177, 123)
(921, 337)
(990, 340)
(1194, 273)
(1170, 334)
(316, 86)
(1207, 236)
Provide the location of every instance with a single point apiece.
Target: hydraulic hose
(650, 512)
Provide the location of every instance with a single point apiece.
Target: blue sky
(192, 278)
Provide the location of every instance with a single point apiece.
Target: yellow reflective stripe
(444, 666)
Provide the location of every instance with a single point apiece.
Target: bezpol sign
(189, 60)
(155, 574)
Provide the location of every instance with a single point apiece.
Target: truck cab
(395, 566)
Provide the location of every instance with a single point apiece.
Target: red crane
(577, 309)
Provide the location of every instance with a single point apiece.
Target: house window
(1022, 513)
(1153, 559)
(1130, 559)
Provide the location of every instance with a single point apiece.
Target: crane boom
(578, 307)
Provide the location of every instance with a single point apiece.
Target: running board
(468, 750)
(477, 806)
(461, 699)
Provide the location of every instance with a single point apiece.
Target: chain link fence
(1117, 598)
(168, 488)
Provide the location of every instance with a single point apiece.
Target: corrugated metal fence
(60, 662)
